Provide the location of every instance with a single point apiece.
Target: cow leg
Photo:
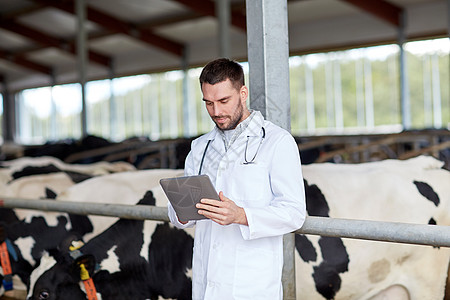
(394, 292)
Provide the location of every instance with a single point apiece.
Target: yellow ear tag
(84, 274)
(91, 292)
(75, 245)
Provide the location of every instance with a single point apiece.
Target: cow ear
(88, 261)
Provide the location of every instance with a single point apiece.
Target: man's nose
(217, 109)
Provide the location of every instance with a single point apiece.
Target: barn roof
(125, 37)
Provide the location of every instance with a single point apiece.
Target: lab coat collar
(254, 128)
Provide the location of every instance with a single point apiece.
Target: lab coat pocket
(256, 274)
(250, 183)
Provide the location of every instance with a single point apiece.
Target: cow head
(58, 277)
(27, 241)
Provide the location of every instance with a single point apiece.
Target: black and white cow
(127, 266)
(26, 166)
(31, 232)
(36, 236)
(34, 230)
(413, 191)
(45, 177)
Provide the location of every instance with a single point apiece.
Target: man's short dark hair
(222, 69)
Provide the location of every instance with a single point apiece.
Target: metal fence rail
(137, 212)
(433, 235)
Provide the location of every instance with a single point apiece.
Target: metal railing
(433, 235)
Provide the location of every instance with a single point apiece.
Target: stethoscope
(246, 161)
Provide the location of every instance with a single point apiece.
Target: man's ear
(243, 92)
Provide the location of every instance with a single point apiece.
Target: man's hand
(223, 212)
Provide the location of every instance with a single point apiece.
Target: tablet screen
(185, 192)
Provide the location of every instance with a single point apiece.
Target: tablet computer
(185, 192)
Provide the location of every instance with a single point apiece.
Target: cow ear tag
(89, 286)
(74, 249)
(88, 262)
(84, 274)
(6, 266)
(75, 245)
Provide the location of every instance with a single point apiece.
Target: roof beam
(114, 24)
(207, 7)
(166, 21)
(23, 11)
(50, 41)
(22, 61)
(381, 9)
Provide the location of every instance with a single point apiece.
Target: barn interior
(46, 45)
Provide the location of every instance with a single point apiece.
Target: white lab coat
(237, 261)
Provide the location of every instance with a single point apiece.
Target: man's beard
(234, 120)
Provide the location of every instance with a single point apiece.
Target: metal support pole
(186, 107)
(359, 67)
(80, 8)
(338, 108)
(223, 14)
(309, 93)
(53, 123)
(288, 275)
(268, 57)
(368, 92)
(329, 92)
(2, 93)
(404, 88)
(436, 87)
(9, 114)
(112, 103)
(448, 34)
(427, 107)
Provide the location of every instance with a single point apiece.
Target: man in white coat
(255, 167)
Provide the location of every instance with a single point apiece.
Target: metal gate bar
(433, 235)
